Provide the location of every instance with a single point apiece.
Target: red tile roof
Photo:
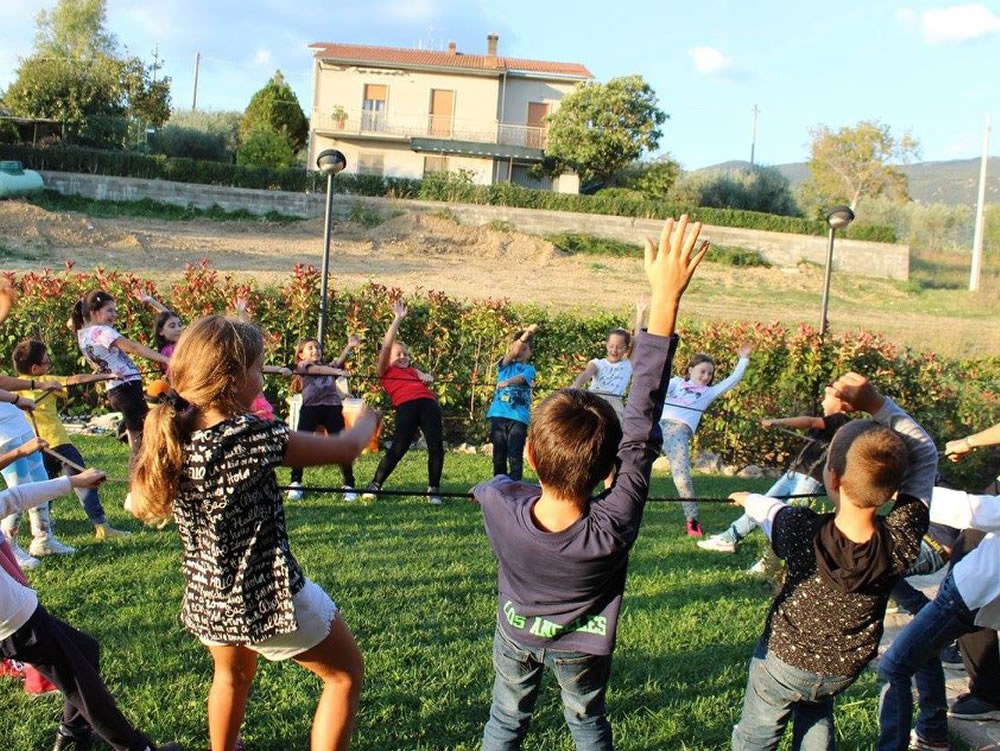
(431, 58)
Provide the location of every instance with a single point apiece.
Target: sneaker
(42, 546)
(432, 496)
(919, 744)
(37, 684)
(718, 543)
(25, 561)
(349, 495)
(370, 492)
(69, 743)
(104, 532)
(970, 707)
(951, 657)
(758, 569)
(294, 494)
(693, 528)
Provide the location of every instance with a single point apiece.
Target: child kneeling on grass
(562, 555)
(68, 658)
(825, 624)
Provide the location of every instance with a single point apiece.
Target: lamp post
(838, 218)
(329, 162)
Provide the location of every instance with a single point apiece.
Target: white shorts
(314, 613)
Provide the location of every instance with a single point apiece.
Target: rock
(421, 444)
(729, 470)
(486, 449)
(750, 472)
(707, 462)
(105, 422)
(661, 464)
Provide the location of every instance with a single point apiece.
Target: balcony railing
(383, 125)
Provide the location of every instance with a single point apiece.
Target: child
(825, 624)
(510, 410)
(14, 432)
(167, 327)
(108, 352)
(805, 475)
(63, 655)
(415, 407)
(563, 555)
(686, 401)
(211, 463)
(321, 404)
(31, 360)
(609, 377)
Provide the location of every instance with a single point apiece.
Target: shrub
(728, 255)
(763, 189)
(263, 147)
(176, 140)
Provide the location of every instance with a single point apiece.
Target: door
(373, 107)
(537, 112)
(442, 112)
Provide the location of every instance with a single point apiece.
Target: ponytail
(77, 317)
(157, 474)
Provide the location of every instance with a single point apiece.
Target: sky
(927, 67)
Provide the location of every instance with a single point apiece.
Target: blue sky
(930, 67)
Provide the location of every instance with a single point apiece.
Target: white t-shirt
(97, 344)
(611, 378)
(13, 423)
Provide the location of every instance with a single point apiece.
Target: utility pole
(977, 241)
(194, 95)
(753, 134)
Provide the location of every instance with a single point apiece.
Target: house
(400, 112)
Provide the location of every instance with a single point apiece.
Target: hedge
(460, 343)
(435, 187)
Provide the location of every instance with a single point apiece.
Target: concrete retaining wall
(780, 248)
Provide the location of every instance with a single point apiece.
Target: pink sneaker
(693, 528)
(35, 683)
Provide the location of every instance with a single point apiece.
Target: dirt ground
(420, 251)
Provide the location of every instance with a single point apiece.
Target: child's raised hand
(30, 447)
(354, 341)
(852, 392)
(143, 297)
(744, 351)
(670, 266)
(399, 310)
(89, 478)
(531, 330)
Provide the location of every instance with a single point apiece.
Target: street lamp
(329, 162)
(838, 218)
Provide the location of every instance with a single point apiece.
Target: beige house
(407, 112)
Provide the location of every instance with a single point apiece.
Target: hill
(953, 182)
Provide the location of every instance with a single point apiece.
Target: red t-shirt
(402, 385)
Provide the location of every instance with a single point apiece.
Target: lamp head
(839, 217)
(331, 161)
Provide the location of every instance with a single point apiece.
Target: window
(435, 164)
(371, 164)
(537, 127)
(442, 112)
(373, 112)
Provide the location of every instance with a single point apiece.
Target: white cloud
(711, 62)
(262, 57)
(957, 23)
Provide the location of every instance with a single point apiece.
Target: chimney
(452, 48)
(491, 45)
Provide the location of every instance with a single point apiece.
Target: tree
(263, 147)
(853, 163)
(600, 128)
(277, 108)
(653, 179)
(74, 29)
(762, 189)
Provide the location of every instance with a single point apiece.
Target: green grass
(417, 585)
(8, 253)
(592, 245)
(147, 208)
(368, 216)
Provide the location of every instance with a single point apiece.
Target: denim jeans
(583, 681)
(909, 598)
(776, 691)
(914, 655)
(26, 469)
(90, 499)
(508, 437)
(790, 483)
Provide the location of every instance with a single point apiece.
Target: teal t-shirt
(513, 402)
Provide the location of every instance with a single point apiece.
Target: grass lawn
(416, 584)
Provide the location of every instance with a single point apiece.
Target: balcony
(381, 125)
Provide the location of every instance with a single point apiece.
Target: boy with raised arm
(825, 624)
(562, 554)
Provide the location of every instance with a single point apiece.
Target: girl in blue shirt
(510, 411)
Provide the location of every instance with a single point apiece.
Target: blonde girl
(211, 463)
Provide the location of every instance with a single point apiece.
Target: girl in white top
(610, 376)
(687, 399)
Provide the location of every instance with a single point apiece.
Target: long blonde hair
(208, 369)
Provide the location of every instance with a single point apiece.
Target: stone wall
(780, 248)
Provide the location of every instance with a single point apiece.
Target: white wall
(521, 91)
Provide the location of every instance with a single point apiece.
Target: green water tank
(16, 181)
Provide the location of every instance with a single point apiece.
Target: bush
(263, 147)
(178, 141)
(728, 255)
(460, 342)
(438, 186)
(763, 189)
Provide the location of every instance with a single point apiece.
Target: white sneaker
(349, 495)
(42, 546)
(758, 569)
(25, 561)
(718, 544)
(294, 494)
(433, 498)
(128, 502)
(370, 492)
